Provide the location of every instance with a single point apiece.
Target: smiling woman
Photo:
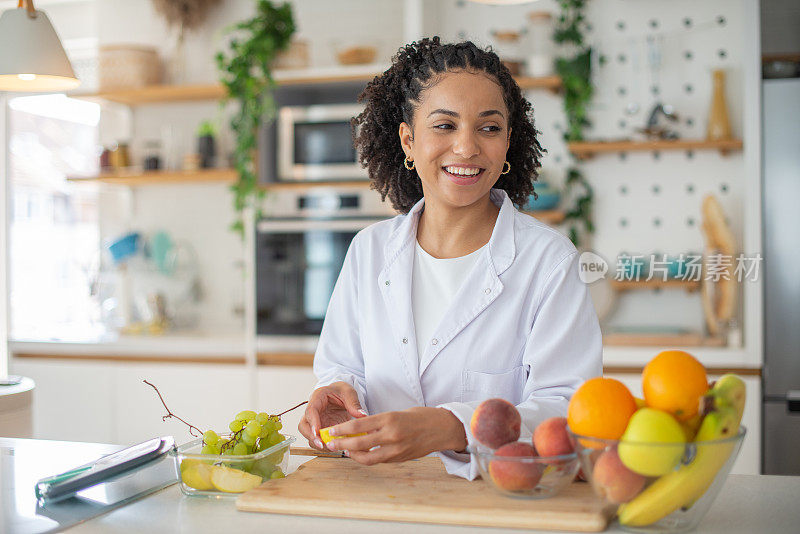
(461, 298)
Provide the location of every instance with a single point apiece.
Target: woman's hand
(327, 406)
(400, 436)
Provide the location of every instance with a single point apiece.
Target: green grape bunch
(251, 432)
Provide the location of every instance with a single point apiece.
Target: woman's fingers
(386, 453)
(305, 430)
(358, 443)
(315, 405)
(351, 402)
(356, 426)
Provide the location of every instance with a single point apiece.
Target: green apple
(197, 474)
(652, 444)
(233, 480)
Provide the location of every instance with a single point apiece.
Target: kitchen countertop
(747, 503)
(232, 348)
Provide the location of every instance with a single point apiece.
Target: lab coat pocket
(480, 385)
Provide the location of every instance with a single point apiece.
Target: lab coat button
(434, 341)
(405, 340)
(387, 282)
(487, 290)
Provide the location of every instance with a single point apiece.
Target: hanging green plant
(246, 73)
(575, 70)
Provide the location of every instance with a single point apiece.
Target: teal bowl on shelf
(548, 198)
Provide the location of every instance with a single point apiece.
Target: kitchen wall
(644, 203)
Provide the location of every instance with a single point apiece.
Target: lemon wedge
(325, 435)
(233, 480)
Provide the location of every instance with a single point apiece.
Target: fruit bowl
(221, 475)
(525, 477)
(691, 475)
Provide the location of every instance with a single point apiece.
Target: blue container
(124, 247)
(548, 198)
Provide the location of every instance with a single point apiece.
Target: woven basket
(127, 67)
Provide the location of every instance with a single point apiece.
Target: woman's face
(459, 139)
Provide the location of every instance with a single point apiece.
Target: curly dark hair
(392, 97)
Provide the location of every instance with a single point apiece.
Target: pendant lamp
(31, 56)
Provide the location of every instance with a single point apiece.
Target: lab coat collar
(501, 243)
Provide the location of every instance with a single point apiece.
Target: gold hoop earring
(508, 170)
(408, 164)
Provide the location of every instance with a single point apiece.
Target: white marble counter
(746, 504)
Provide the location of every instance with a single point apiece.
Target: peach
(615, 482)
(513, 475)
(593, 456)
(495, 422)
(550, 437)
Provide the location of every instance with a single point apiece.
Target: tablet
(65, 485)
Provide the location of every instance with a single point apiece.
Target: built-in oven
(300, 249)
(315, 142)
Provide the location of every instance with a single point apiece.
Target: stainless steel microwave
(316, 143)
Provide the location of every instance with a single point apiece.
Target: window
(53, 225)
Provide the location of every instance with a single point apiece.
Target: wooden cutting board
(418, 491)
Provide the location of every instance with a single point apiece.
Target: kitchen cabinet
(107, 402)
(72, 400)
(749, 460)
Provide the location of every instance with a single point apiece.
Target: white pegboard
(644, 202)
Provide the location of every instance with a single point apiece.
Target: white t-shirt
(434, 283)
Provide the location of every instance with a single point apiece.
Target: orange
(601, 408)
(674, 381)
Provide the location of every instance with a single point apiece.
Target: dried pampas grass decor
(186, 14)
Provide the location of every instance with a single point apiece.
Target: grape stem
(292, 408)
(170, 414)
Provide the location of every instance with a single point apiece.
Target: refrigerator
(781, 241)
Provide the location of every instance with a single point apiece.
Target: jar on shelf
(152, 157)
(539, 46)
(507, 47)
(119, 158)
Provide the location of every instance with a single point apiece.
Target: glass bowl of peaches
(535, 468)
(516, 470)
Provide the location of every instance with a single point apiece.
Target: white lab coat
(522, 327)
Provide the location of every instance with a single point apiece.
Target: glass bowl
(525, 477)
(674, 501)
(267, 464)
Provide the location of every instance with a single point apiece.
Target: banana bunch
(723, 406)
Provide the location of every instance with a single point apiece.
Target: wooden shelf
(627, 285)
(134, 177)
(657, 339)
(551, 83)
(156, 94)
(301, 185)
(548, 216)
(587, 149)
